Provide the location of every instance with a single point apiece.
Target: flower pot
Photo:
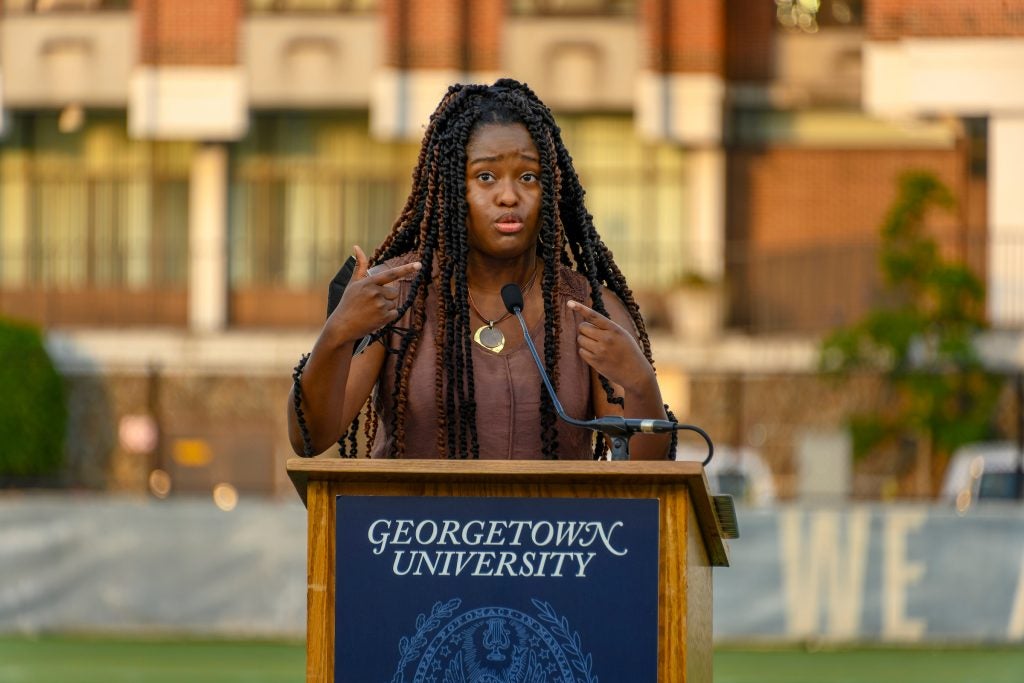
(697, 313)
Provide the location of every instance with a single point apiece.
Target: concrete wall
(218, 407)
(889, 574)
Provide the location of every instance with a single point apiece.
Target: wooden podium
(690, 543)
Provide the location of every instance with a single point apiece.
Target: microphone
(512, 297)
(615, 426)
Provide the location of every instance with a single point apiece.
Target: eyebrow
(499, 157)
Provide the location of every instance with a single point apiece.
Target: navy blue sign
(496, 590)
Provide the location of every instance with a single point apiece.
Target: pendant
(489, 337)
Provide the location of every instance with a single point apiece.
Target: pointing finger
(589, 315)
(396, 273)
(362, 263)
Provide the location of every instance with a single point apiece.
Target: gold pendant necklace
(487, 335)
(490, 337)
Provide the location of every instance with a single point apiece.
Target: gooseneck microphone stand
(618, 429)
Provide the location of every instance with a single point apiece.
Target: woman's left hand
(609, 349)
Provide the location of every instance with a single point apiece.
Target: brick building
(179, 179)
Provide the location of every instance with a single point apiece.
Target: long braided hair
(432, 226)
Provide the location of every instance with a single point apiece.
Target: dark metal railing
(808, 289)
(310, 6)
(55, 6)
(573, 7)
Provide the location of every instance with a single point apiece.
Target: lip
(509, 224)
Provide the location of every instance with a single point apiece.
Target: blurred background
(818, 203)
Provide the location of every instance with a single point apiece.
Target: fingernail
(417, 265)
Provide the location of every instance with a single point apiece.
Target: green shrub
(33, 404)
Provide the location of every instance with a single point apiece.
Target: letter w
(568, 533)
(813, 559)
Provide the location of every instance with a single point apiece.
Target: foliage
(921, 339)
(33, 408)
(692, 279)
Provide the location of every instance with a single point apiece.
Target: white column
(207, 239)
(14, 204)
(402, 100)
(707, 168)
(1006, 220)
(682, 107)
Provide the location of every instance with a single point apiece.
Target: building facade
(179, 179)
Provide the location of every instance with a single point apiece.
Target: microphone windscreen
(512, 297)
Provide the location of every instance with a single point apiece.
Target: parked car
(741, 473)
(983, 471)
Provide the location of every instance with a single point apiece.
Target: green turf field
(89, 660)
(868, 665)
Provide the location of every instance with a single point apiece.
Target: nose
(507, 193)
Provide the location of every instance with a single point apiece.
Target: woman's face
(503, 190)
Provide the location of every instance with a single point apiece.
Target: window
(305, 188)
(637, 193)
(90, 211)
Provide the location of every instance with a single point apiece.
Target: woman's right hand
(369, 301)
(334, 384)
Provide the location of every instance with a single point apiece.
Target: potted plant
(696, 306)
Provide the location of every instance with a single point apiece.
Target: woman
(495, 199)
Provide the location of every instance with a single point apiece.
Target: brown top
(508, 389)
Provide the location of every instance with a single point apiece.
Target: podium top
(690, 474)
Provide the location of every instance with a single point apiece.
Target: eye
(529, 177)
(485, 176)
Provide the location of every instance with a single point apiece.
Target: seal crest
(492, 644)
